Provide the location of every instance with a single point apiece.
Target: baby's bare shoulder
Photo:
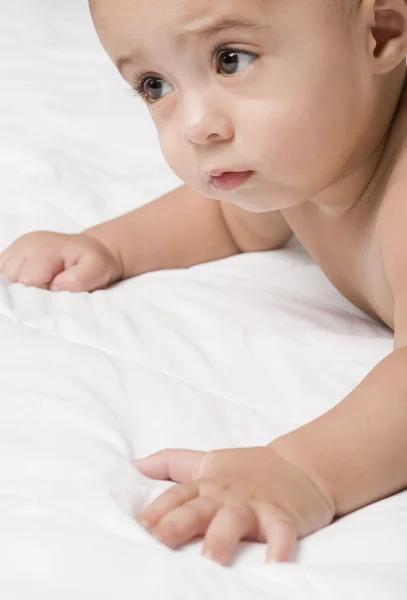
(392, 232)
(392, 217)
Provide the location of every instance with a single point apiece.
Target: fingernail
(144, 523)
(208, 554)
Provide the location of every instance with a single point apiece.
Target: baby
(282, 117)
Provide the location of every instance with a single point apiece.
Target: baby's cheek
(180, 160)
(291, 149)
(169, 144)
(169, 148)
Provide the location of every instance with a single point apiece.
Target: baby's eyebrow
(219, 26)
(199, 34)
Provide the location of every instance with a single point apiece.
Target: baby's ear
(388, 33)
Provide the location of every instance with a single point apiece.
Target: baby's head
(300, 92)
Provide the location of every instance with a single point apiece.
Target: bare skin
(317, 112)
(355, 263)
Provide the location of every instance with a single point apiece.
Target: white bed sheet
(232, 353)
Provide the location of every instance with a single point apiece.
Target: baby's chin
(253, 201)
(250, 198)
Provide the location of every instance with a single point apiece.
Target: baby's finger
(231, 524)
(40, 269)
(4, 257)
(13, 266)
(281, 535)
(186, 522)
(181, 466)
(82, 277)
(170, 500)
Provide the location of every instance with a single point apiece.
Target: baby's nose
(205, 123)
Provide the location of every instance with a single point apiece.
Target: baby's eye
(234, 61)
(152, 89)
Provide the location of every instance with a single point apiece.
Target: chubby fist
(57, 262)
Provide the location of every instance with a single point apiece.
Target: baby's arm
(358, 449)
(351, 456)
(183, 228)
(178, 230)
(356, 452)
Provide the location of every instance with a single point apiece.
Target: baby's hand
(230, 495)
(56, 261)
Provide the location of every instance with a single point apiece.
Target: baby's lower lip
(232, 180)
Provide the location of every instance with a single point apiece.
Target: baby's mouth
(229, 181)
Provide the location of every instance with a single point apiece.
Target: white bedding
(232, 353)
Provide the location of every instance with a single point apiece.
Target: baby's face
(277, 87)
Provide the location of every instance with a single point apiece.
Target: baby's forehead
(128, 26)
(190, 11)
(120, 4)
(121, 20)
(182, 9)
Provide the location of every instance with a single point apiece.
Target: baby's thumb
(82, 277)
(181, 466)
